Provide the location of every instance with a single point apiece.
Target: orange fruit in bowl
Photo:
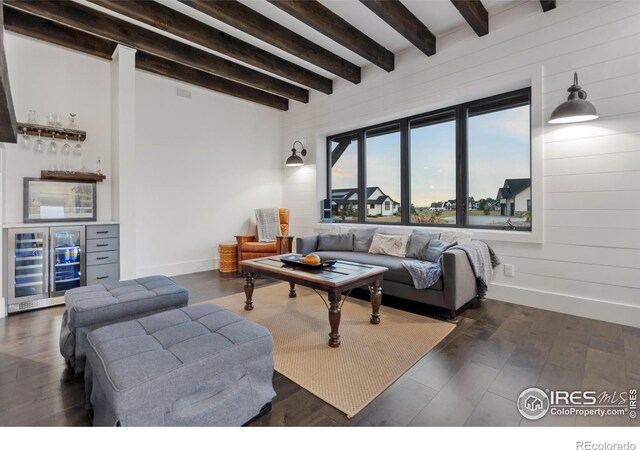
(311, 258)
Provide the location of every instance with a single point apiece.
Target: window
(383, 173)
(344, 178)
(432, 144)
(498, 154)
(464, 166)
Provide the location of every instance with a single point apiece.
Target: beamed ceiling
(265, 51)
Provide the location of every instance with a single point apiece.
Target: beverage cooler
(43, 263)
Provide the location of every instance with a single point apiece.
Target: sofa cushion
(89, 305)
(396, 273)
(336, 242)
(436, 248)
(383, 244)
(362, 238)
(259, 247)
(418, 242)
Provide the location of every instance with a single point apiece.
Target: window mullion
(405, 173)
(461, 166)
(362, 181)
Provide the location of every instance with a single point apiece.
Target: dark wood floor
(473, 377)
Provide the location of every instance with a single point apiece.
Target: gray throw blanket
(483, 260)
(423, 273)
(481, 257)
(268, 224)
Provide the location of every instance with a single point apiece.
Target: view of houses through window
(432, 144)
(468, 165)
(382, 154)
(343, 159)
(499, 168)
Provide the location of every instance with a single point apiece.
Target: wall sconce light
(295, 160)
(576, 108)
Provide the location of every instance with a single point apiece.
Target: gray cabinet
(102, 231)
(103, 256)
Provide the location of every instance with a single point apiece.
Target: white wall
(201, 165)
(123, 154)
(205, 164)
(589, 261)
(48, 78)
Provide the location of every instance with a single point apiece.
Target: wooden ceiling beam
(475, 14)
(167, 19)
(92, 21)
(404, 22)
(547, 5)
(46, 30)
(249, 21)
(161, 66)
(8, 123)
(323, 20)
(49, 31)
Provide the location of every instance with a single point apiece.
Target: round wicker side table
(228, 257)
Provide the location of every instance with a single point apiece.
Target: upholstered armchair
(249, 247)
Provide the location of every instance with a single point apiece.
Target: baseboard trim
(576, 306)
(180, 268)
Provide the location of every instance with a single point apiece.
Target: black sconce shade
(295, 160)
(576, 108)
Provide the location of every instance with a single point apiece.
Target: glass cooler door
(67, 259)
(28, 266)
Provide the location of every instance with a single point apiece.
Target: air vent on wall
(184, 93)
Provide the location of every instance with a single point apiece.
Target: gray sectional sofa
(456, 287)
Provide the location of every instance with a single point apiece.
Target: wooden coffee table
(335, 280)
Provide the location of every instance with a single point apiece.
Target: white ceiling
(440, 16)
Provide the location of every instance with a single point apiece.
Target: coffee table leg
(334, 318)
(249, 280)
(376, 300)
(292, 290)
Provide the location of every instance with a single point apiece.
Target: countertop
(57, 224)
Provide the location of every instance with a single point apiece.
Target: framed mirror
(59, 201)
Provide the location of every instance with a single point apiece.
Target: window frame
(460, 114)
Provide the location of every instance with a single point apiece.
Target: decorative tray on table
(295, 260)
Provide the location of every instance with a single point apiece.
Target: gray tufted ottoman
(90, 307)
(195, 366)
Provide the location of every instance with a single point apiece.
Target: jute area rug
(370, 358)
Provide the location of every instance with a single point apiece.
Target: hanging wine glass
(26, 140)
(72, 122)
(39, 143)
(53, 146)
(78, 148)
(66, 148)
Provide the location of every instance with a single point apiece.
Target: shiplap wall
(589, 262)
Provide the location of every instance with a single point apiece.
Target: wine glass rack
(71, 176)
(33, 129)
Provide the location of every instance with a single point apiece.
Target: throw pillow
(418, 242)
(455, 236)
(362, 238)
(335, 242)
(384, 244)
(436, 248)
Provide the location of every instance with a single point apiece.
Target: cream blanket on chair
(268, 224)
